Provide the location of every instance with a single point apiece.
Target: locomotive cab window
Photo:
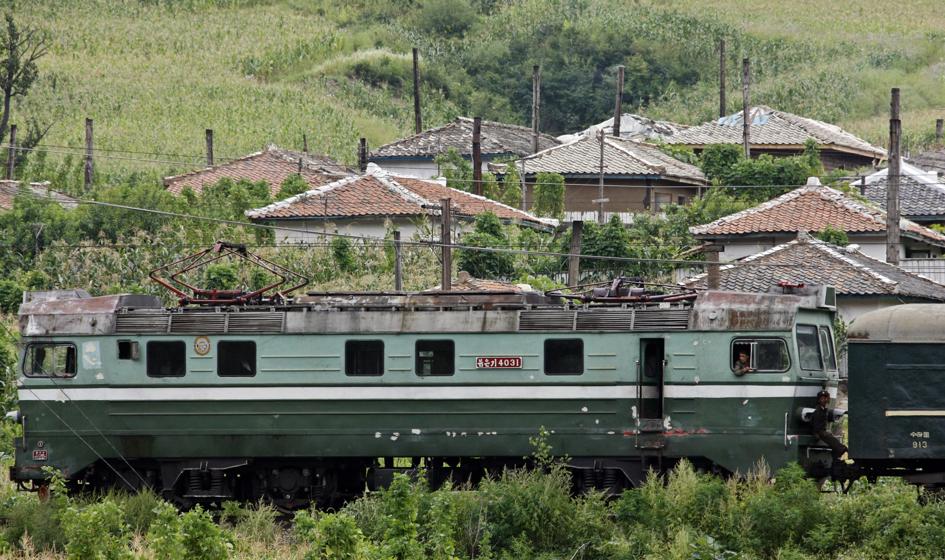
(166, 358)
(236, 358)
(564, 356)
(830, 355)
(808, 348)
(763, 355)
(128, 350)
(364, 357)
(50, 360)
(435, 357)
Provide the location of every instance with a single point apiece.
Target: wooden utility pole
(209, 133)
(618, 102)
(722, 108)
(362, 155)
(89, 165)
(600, 200)
(477, 155)
(446, 273)
(398, 266)
(938, 131)
(536, 105)
(892, 181)
(418, 124)
(574, 261)
(11, 153)
(304, 143)
(746, 108)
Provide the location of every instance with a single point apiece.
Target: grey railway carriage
(312, 399)
(897, 359)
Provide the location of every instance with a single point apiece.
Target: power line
(408, 243)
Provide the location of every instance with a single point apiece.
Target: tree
(457, 170)
(20, 49)
(834, 236)
(488, 232)
(549, 195)
(294, 184)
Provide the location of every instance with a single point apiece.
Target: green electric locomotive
(311, 399)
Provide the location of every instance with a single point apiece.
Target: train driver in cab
(743, 362)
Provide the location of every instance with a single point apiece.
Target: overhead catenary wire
(422, 243)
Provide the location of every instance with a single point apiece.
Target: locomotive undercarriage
(300, 483)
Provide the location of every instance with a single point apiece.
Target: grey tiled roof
(633, 127)
(920, 192)
(621, 157)
(811, 261)
(931, 160)
(496, 139)
(9, 190)
(772, 127)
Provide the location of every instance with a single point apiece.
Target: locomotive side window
(826, 342)
(435, 357)
(50, 360)
(236, 358)
(808, 347)
(564, 356)
(167, 358)
(766, 355)
(364, 357)
(128, 350)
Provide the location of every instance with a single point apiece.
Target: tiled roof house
(365, 204)
(813, 208)
(414, 155)
(637, 176)
(863, 283)
(272, 165)
(9, 190)
(921, 193)
(780, 133)
(632, 127)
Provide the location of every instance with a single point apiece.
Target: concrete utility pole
(721, 78)
(574, 261)
(446, 273)
(600, 200)
(362, 155)
(938, 131)
(746, 108)
(536, 105)
(398, 264)
(477, 155)
(892, 181)
(209, 134)
(418, 124)
(713, 272)
(89, 164)
(618, 102)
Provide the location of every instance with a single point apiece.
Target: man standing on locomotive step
(819, 421)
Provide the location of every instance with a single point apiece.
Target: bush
(11, 295)
(203, 539)
(220, 277)
(449, 18)
(26, 514)
(548, 195)
(140, 509)
(294, 184)
(165, 538)
(97, 531)
(488, 232)
(833, 236)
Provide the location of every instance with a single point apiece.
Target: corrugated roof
(632, 127)
(771, 127)
(380, 194)
(811, 208)
(811, 261)
(272, 165)
(920, 192)
(495, 139)
(621, 157)
(9, 190)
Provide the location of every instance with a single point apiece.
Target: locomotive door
(650, 368)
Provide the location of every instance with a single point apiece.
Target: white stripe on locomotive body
(915, 413)
(409, 393)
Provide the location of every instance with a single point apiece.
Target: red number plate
(40, 454)
(499, 362)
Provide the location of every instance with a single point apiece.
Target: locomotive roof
(72, 313)
(911, 322)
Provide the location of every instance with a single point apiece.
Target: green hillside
(154, 74)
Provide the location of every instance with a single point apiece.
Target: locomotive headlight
(13, 415)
